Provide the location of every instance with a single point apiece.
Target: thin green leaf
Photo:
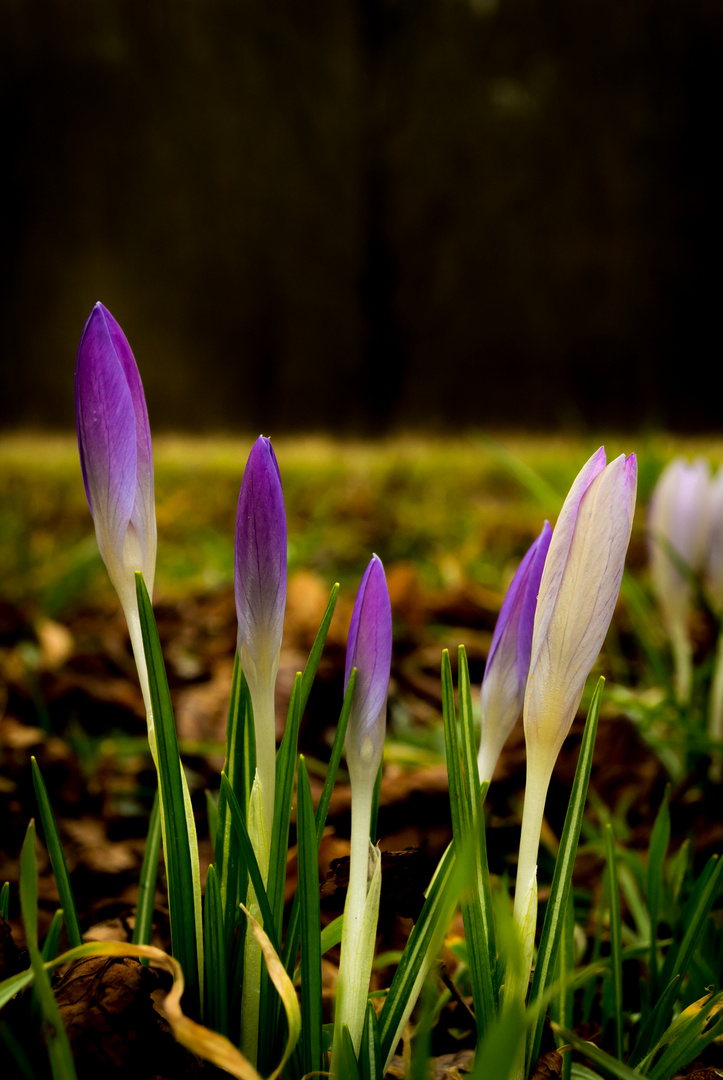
(464, 799)
(331, 934)
(652, 1029)
(283, 799)
(143, 929)
(56, 1038)
(239, 824)
(618, 1068)
(346, 1064)
(498, 1051)
(240, 745)
(696, 912)
(616, 971)
(688, 1036)
(50, 945)
(562, 1002)
(318, 647)
(370, 1053)
(14, 984)
(291, 942)
(564, 865)
(270, 1005)
(4, 900)
(185, 917)
(657, 850)
(480, 914)
(311, 989)
(421, 949)
(216, 999)
(57, 858)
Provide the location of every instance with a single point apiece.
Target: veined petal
(576, 603)
(558, 552)
(513, 631)
(508, 662)
(260, 577)
(369, 650)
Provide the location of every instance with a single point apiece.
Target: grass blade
(464, 800)
(284, 797)
(688, 1036)
(291, 942)
(598, 1057)
(57, 858)
(497, 1052)
(652, 1029)
(178, 838)
(370, 1052)
(657, 849)
(5, 901)
(143, 928)
(562, 876)
(562, 1002)
(56, 1038)
(421, 950)
(284, 988)
(616, 966)
(216, 999)
(318, 647)
(50, 945)
(311, 996)
(693, 919)
(239, 824)
(239, 766)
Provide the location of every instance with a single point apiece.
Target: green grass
(460, 509)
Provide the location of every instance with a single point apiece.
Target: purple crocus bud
(677, 526)
(508, 662)
(114, 440)
(369, 650)
(260, 587)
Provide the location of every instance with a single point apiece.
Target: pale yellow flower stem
(356, 959)
(525, 907)
(251, 990)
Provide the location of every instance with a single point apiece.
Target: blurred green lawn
(460, 509)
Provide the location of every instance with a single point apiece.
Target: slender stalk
(356, 961)
(251, 992)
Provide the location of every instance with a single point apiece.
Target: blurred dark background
(366, 215)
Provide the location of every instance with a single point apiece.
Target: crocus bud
(369, 650)
(578, 592)
(508, 662)
(114, 440)
(677, 518)
(260, 586)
